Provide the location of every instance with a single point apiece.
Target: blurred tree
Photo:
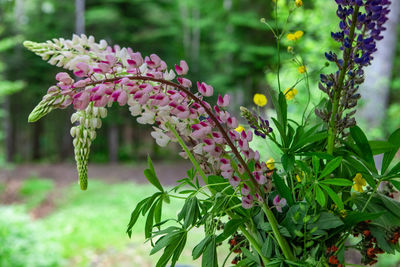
(375, 91)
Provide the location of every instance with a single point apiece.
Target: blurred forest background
(225, 45)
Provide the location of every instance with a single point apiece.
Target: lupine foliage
(326, 188)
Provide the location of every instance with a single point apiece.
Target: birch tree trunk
(375, 90)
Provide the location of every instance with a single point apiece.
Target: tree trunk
(8, 130)
(375, 90)
(113, 143)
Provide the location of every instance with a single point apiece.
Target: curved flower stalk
(145, 85)
(361, 26)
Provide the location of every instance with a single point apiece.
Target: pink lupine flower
(245, 190)
(259, 198)
(218, 138)
(279, 203)
(184, 82)
(153, 62)
(205, 89)
(182, 68)
(247, 202)
(209, 145)
(64, 79)
(234, 181)
(232, 122)
(223, 101)
(240, 168)
(83, 69)
(153, 96)
(136, 60)
(81, 100)
(259, 177)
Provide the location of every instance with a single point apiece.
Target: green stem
(281, 240)
(339, 86)
(254, 243)
(190, 155)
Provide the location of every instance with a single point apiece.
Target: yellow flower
(290, 93)
(300, 177)
(295, 36)
(299, 3)
(239, 129)
(299, 34)
(359, 182)
(260, 100)
(270, 163)
(302, 69)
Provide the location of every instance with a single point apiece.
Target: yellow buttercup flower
(239, 129)
(298, 178)
(359, 182)
(299, 3)
(260, 100)
(302, 69)
(299, 34)
(295, 36)
(290, 93)
(270, 163)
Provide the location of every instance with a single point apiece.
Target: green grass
(93, 222)
(34, 190)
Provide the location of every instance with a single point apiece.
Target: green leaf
(394, 139)
(330, 167)
(391, 204)
(230, 228)
(328, 221)
(288, 162)
(267, 247)
(311, 139)
(135, 215)
(164, 241)
(355, 217)
(209, 258)
(362, 143)
(283, 106)
(158, 211)
(173, 249)
(337, 181)
(333, 196)
(283, 189)
(320, 196)
(149, 221)
(395, 170)
(315, 163)
(198, 250)
(150, 174)
(396, 184)
(379, 147)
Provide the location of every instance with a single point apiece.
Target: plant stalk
(339, 85)
(283, 244)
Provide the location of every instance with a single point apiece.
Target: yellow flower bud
(299, 3)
